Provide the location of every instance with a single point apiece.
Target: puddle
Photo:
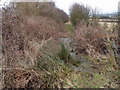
(84, 65)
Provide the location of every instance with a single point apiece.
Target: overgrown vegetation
(54, 69)
(79, 12)
(40, 9)
(69, 27)
(36, 57)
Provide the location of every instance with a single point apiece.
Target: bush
(91, 40)
(40, 9)
(79, 12)
(18, 31)
(66, 56)
(54, 70)
(65, 53)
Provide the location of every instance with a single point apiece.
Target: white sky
(105, 6)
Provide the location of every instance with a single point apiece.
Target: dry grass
(32, 43)
(21, 35)
(91, 40)
(16, 78)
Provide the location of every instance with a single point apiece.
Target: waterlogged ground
(92, 74)
(87, 73)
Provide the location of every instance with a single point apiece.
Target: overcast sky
(105, 6)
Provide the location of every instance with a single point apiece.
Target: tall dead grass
(91, 40)
(22, 34)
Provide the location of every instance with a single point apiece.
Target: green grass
(92, 79)
(65, 56)
(49, 63)
(56, 62)
(64, 53)
(69, 27)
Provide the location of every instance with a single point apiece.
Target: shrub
(47, 9)
(65, 53)
(18, 31)
(54, 70)
(94, 17)
(91, 40)
(79, 12)
(66, 56)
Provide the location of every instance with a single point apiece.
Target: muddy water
(84, 64)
